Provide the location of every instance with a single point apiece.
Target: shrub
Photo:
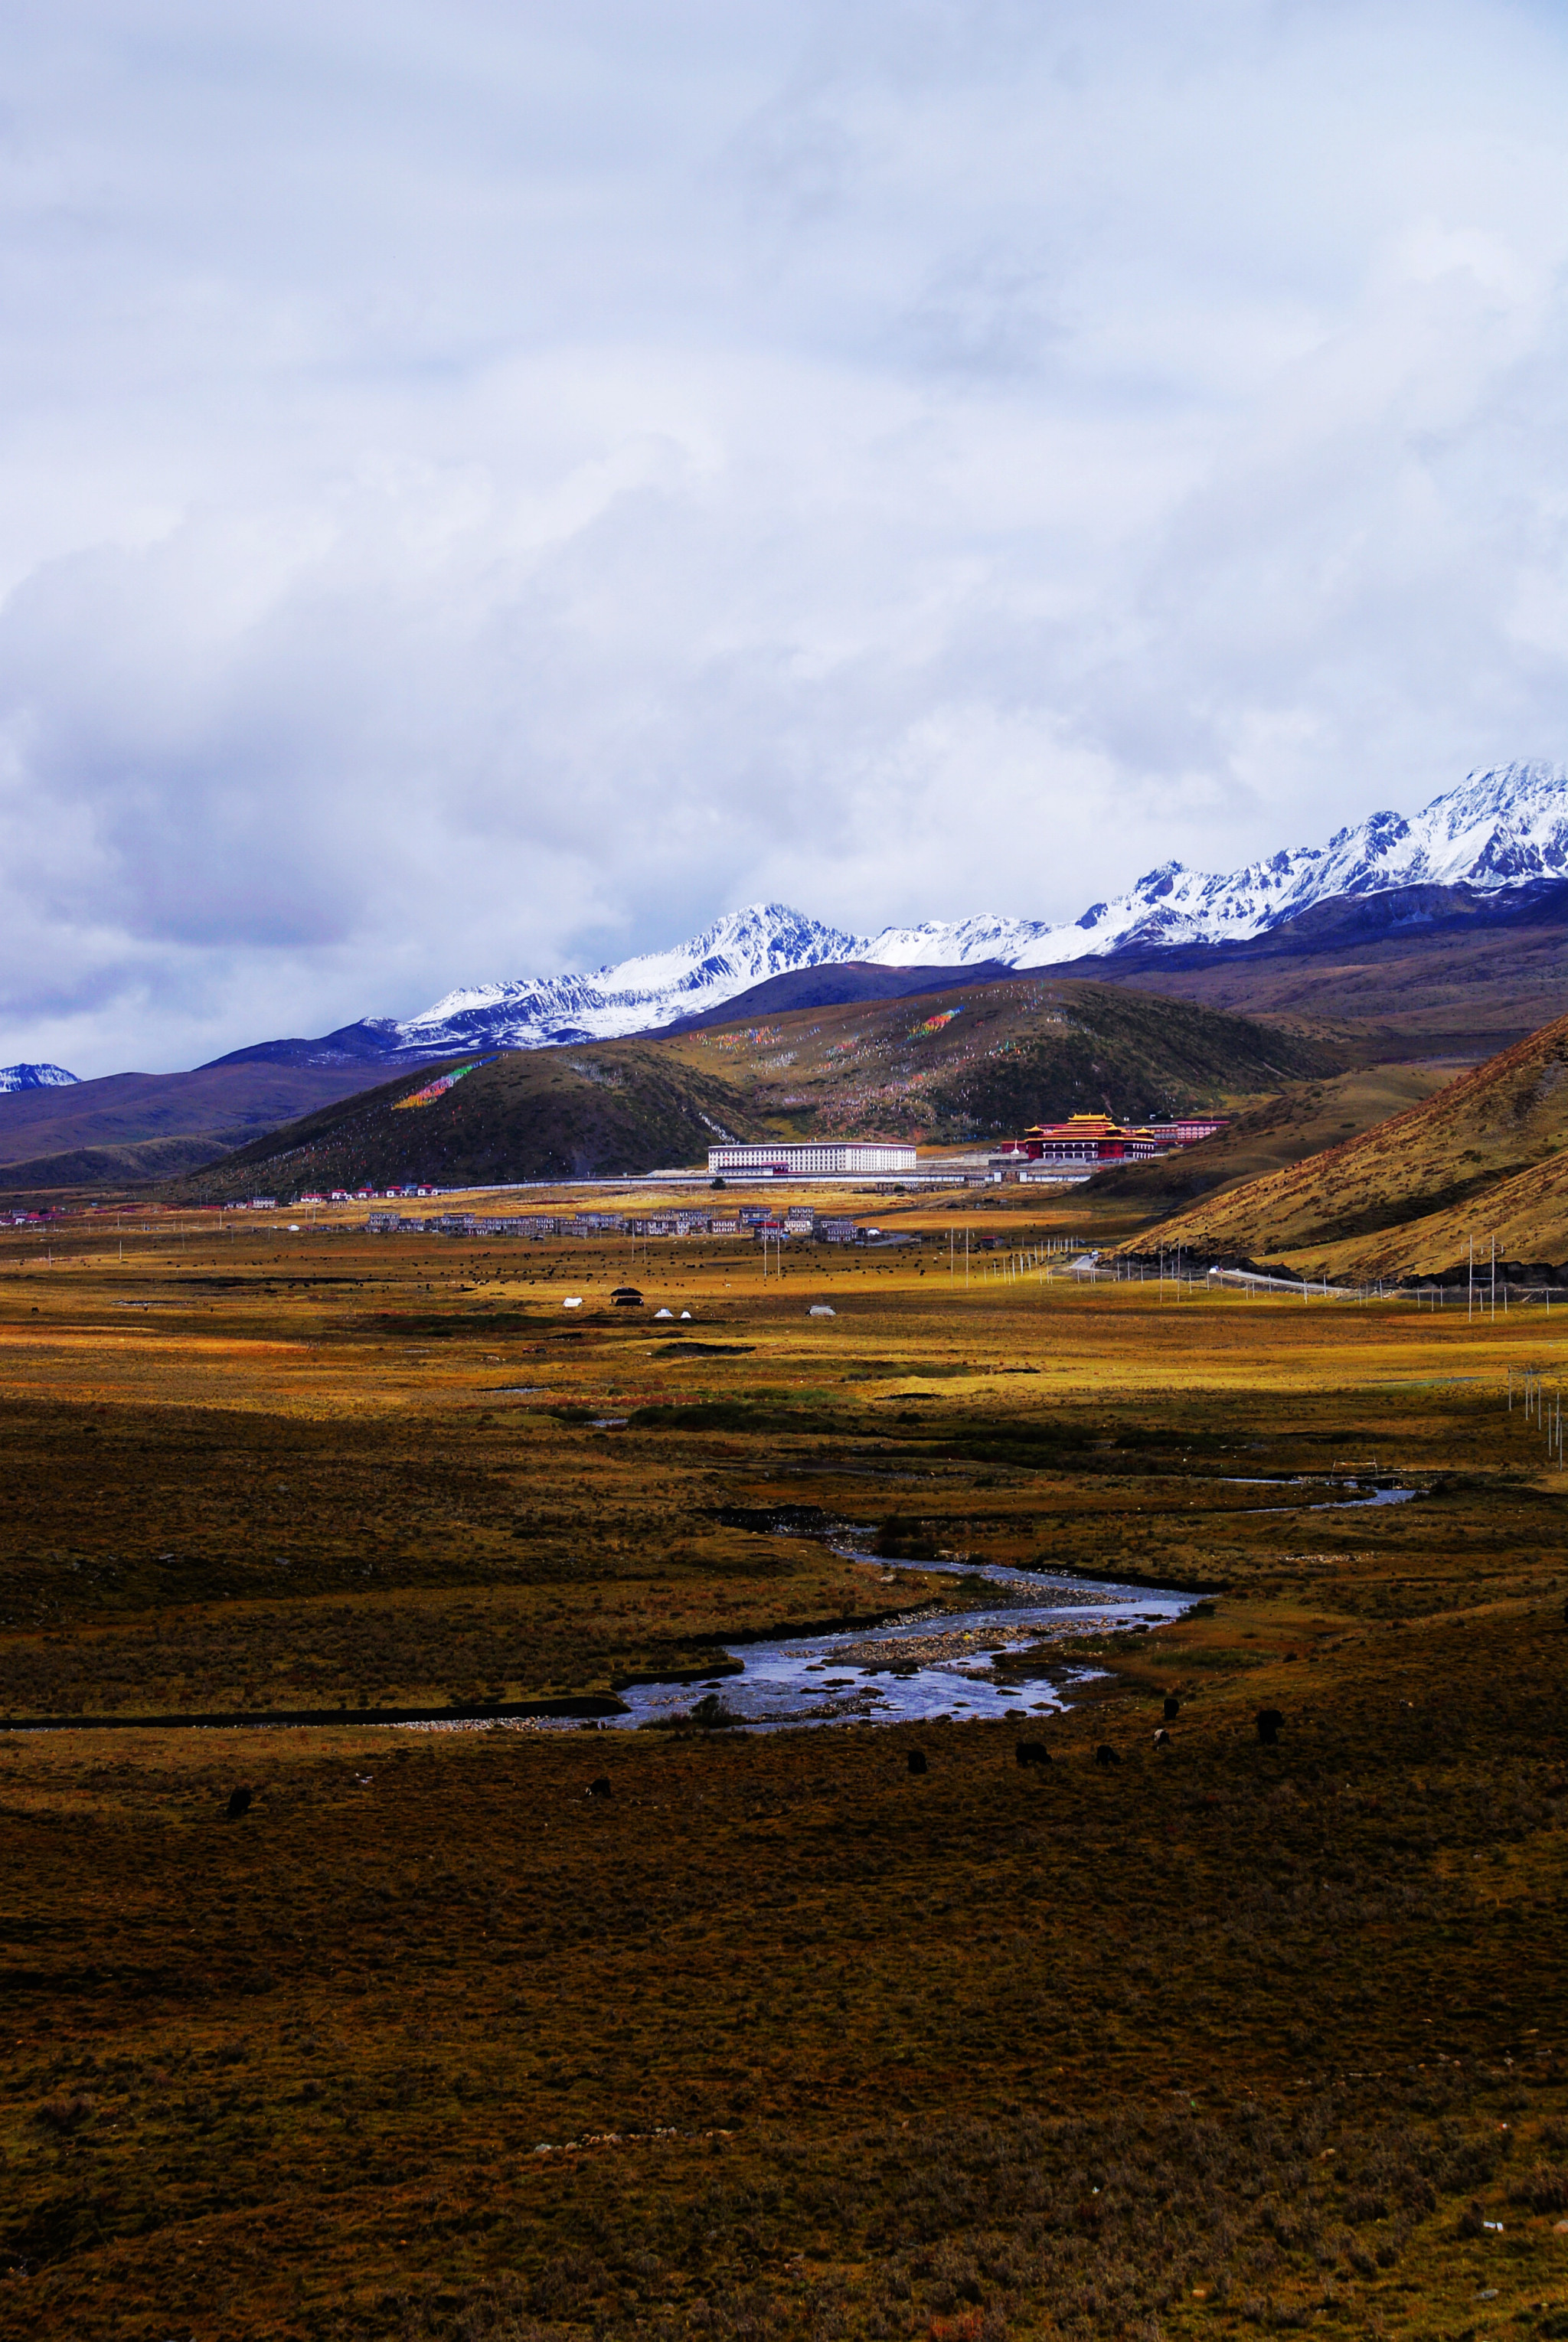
(65, 2113)
(1544, 2189)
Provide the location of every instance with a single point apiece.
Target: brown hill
(966, 1062)
(1301, 1120)
(1525, 1221)
(615, 1108)
(990, 1057)
(1481, 1159)
(108, 1166)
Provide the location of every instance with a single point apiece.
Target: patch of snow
(34, 1077)
(737, 951)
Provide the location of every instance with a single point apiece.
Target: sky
(487, 486)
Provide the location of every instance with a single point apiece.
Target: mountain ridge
(1500, 838)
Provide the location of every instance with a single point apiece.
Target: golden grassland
(773, 2039)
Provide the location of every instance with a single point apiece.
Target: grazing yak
(239, 1803)
(1269, 1723)
(1106, 1754)
(1032, 1752)
(599, 1788)
(1172, 1708)
(917, 1760)
(1163, 1739)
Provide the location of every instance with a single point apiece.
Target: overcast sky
(487, 486)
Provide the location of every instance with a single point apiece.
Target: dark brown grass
(1233, 2038)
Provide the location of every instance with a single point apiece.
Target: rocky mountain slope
(736, 952)
(1498, 831)
(34, 1077)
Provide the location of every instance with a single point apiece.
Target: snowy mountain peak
(34, 1077)
(1498, 829)
(638, 994)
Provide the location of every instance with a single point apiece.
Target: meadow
(772, 2039)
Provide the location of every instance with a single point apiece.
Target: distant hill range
(34, 1077)
(128, 1128)
(945, 1066)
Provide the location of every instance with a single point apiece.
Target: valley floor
(774, 2038)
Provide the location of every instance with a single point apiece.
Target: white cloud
(482, 490)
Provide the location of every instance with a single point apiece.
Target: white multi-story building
(826, 1159)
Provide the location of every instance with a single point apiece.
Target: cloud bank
(483, 489)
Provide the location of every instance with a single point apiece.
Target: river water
(998, 1661)
(936, 1663)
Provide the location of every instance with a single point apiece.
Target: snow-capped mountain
(1498, 830)
(34, 1077)
(961, 943)
(736, 952)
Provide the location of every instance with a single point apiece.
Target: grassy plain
(774, 2039)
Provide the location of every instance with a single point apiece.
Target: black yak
(917, 1760)
(1032, 1752)
(239, 1803)
(1269, 1723)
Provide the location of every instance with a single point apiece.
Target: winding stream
(938, 1663)
(934, 1663)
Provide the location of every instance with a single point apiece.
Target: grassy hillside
(1301, 1121)
(1525, 1218)
(1480, 1156)
(955, 1064)
(540, 1113)
(110, 1166)
(985, 1059)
